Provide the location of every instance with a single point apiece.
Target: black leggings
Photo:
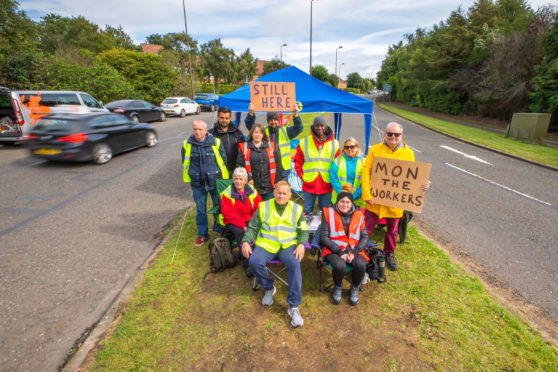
(238, 235)
(338, 268)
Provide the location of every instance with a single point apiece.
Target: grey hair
(200, 121)
(240, 171)
(394, 124)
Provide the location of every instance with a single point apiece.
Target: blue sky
(365, 28)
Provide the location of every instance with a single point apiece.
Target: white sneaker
(296, 319)
(267, 299)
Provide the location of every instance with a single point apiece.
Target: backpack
(376, 267)
(220, 254)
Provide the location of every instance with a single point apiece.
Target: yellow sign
(397, 183)
(272, 96)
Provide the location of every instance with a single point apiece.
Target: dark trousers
(238, 235)
(338, 268)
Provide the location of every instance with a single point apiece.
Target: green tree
(217, 62)
(354, 80)
(146, 73)
(333, 80)
(246, 66)
(273, 65)
(320, 73)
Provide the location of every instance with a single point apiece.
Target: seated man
(280, 231)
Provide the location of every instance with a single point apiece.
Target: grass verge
(430, 315)
(540, 153)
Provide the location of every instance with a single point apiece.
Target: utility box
(530, 127)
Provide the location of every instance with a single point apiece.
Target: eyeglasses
(350, 147)
(391, 134)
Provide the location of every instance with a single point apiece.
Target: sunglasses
(350, 147)
(391, 134)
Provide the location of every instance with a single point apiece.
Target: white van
(21, 110)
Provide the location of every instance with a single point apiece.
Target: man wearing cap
(279, 137)
(314, 156)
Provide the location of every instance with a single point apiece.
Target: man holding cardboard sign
(399, 178)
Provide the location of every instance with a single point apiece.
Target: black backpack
(376, 267)
(220, 255)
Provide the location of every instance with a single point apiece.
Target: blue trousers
(260, 257)
(324, 201)
(200, 197)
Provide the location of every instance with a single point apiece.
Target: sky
(363, 28)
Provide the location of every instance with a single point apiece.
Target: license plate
(47, 151)
(169, 111)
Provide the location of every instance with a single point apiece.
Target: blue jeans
(260, 257)
(200, 197)
(324, 201)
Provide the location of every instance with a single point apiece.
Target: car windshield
(57, 124)
(170, 100)
(202, 96)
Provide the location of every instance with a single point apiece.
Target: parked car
(97, 137)
(207, 101)
(180, 106)
(137, 110)
(20, 110)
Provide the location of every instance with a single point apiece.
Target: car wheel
(135, 119)
(102, 153)
(198, 110)
(182, 113)
(212, 107)
(163, 116)
(151, 139)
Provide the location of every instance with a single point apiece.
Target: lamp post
(341, 64)
(311, 2)
(340, 46)
(188, 46)
(282, 52)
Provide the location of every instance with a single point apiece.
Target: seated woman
(344, 239)
(262, 163)
(239, 202)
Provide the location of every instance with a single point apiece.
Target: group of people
(257, 208)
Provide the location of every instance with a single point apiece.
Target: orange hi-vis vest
(337, 231)
(272, 166)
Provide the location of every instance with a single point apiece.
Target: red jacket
(318, 186)
(237, 209)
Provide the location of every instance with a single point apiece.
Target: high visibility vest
(186, 165)
(343, 178)
(284, 144)
(270, 156)
(315, 161)
(277, 231)
(337, 231)
(228, 194)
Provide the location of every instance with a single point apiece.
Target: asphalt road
(73, 234)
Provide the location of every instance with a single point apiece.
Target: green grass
(539, 153)
(430, 315)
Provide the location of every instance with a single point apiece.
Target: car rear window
(170, 100)
(52, 99)
(58, 124)
(203, 96)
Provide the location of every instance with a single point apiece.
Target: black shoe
(390, 262)
(353, 298)
(248, 272)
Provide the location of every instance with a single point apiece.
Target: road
(73, 234)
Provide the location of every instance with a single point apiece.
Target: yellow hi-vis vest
(315, 161)
(284, 144)
(218, 159)
(228, 193)
(277, 231)
(342, 176)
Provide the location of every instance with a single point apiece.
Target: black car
(96, 136)
(137, 110)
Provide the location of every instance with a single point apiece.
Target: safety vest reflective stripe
(228, 193)
(317, 161)
(284, 147)
(344, 178)
(279, 231)
(218, 159)
(270, 157)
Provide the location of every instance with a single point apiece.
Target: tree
(246, 66)
(320, 73)
(333, 80)
(354, 80)
(217, 62)
(273, 65)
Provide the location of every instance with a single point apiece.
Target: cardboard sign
(397, 183)
(272, 96)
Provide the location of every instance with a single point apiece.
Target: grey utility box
(530, 127)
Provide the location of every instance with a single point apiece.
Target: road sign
(387, 88)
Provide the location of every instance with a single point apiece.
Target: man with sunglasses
(392, 147)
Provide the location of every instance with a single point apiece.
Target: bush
(352, 90)
(227, 88)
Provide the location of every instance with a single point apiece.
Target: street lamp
(282, 52)
(341, 64)
(311, 2)
(340, 46)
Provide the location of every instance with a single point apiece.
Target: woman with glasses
(392, 147)
(348, 169)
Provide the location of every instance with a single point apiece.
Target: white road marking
(499, 185)
(415, 150)
(465, 155)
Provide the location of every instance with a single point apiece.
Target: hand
(251, 109)
(245, 228)
(350, 257)
(299, 252)
(344, 257)
(246, 250)
(425, 186)
(251, 182)
(295, 110)
(369, 202)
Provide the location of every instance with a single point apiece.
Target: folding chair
(221, 185)
(321, 263)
